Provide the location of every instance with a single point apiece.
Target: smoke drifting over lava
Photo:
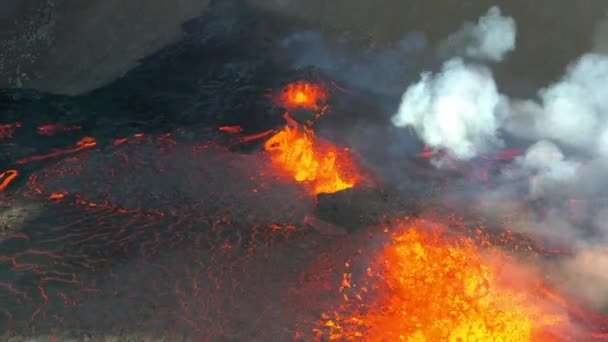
(460, 110)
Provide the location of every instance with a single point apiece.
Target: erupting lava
(7, 177)
(427, 287)
(302, 95)
(323, 166)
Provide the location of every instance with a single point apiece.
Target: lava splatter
(322, 166)
(425, 286)
(7, 177)
(52, 129)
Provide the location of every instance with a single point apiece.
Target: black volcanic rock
(363, 206)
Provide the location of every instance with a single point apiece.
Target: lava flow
(426, 287)
(303, 95)
(322, 166)
(82, 144)
(319, 164)
(6, 178)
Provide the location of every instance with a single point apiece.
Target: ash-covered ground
(167, 227)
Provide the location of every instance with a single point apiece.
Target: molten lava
(322, 166)
(52, 129)
(424, 287)
(231, 129)
(6, 177)
(303, 95)
(82, 144)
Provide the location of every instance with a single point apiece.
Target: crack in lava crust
(154, 237)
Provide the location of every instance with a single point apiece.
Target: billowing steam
(573, 111)
(460, 111)
(457, 110)
(490, 39)
(454, 110)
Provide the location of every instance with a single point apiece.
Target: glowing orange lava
(322, 166)
(82, 144)
(7, 177)
(302, 95)
(52, 129)
(231, 129)
(427, 287)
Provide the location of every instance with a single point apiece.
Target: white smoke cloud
(490, 39)
(573, 111)
(454, 110)
(547, 168)
(458, 109)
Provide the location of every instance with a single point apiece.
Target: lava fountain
(320, 165)
(427, 286)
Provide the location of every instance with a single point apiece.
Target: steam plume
(457, 110)
(460, 111)
(490, 39)
(454, 110)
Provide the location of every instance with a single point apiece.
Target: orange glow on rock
(303, 95)
(7, 177)
(323, 167)
(82, 144)
(230, 129)
(252, 137)
(52, 129)
(425, 287)
(57, 195)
